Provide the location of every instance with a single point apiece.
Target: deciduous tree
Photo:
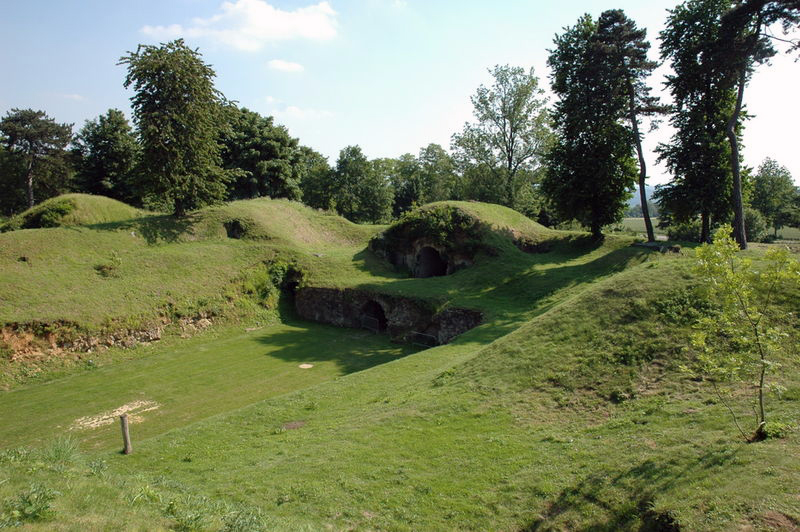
(774, 194)
(178, 115)
(107, 152)
(511, 130)
(739, 342)
(741, 45)
(263, 157)
(624, 47)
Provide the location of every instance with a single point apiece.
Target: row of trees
(189, 146)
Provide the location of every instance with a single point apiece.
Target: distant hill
(649, 190)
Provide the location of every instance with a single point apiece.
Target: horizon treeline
(578, 159)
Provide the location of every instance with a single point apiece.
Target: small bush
(777, 430)
(688, 231)
(30, 505)
(47, 214)
(755, 225)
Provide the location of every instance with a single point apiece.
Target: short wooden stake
(126, 437)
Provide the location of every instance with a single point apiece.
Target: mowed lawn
(170, 386)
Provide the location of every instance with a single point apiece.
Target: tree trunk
(705, 231)
(29, 180)
(642, 167)
(180, 208)
(738, 206)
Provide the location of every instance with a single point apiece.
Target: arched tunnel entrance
(373, 317)
(430, 263)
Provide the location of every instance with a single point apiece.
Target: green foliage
(263, 157)
(739, 342)
(47, 214)
(591, 168)
(755, 225)
(360, 189)
(511, 129)
(698, 154)
(315, 180)
(688, 231)
(31, 505)
(775, 195)
(178, 115)
(38, 143)
(107, 151)
(442, 225)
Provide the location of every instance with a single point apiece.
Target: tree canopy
(178, 115)
(511, 129)
(39, 142)
(698, 154)
(263, 157)
(107, 153)
(591, 166)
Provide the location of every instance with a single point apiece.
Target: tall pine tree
(698, 154)
(591, 166)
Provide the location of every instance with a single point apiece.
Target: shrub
(47, 214)
(755, 225)
(30, 505)
(687, 231)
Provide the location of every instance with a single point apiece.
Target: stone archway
(373, 316)
(430, 263)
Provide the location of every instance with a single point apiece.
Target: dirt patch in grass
(134, 409)
(294, 425)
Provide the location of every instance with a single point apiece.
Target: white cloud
(271, 99)
(285, 66)
(249, 24)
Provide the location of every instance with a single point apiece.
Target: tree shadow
(642, 482)
(157, 228)
(350, 349)
(512, 292)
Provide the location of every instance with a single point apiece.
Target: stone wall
(404, 316)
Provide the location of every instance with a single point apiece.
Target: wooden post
(126, 437)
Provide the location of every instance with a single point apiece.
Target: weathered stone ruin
(402, 318)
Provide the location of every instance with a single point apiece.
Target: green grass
(565, 410)
(190, 380)
(637, 225)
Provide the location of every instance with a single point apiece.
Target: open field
(566, 409)
(189, 380)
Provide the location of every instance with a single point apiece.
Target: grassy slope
(163, 261)
(87, 210)
(577, 419)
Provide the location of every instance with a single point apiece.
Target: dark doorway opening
(373, 317)
(234, 229)
(430, 263)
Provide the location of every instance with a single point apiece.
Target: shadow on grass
(157, 228)
(350, 349)
(515, 288)
(625, 501)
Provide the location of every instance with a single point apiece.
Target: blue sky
(389, 75)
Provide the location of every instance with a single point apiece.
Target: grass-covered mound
(72, 210)
(462, 228)
(579, 420)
